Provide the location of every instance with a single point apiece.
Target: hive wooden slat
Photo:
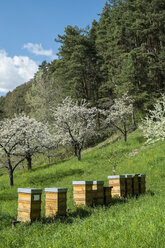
(55, 212)
(107, 195)
(129, 184)
(98, 192)
(142, 183)
(55, 201)
(82, 192)
(29, 204)
(118, 184)
(136, 185)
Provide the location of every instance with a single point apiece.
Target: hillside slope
(126, 223)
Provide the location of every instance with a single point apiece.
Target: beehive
(135, 184)
(82, 192)
(55, 201)
(98, 192)
(118, 184)
(142, 183)
(129, 184)
(29, 204)
(107, 195)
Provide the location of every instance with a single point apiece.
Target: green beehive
(142, 183)
(98, 192)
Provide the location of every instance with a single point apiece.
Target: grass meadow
(131, 222)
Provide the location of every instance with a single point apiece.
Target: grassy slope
(127, 223)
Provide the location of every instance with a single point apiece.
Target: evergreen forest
(123, 52)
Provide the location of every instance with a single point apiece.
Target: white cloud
(37, 49)
(15, 71)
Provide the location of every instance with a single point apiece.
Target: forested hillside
(123, 52)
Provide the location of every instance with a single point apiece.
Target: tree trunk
(134, 126)
(11, 177)
(114, 170)
(79, 154)
(75, 150)
(125, 136)
(48, 159)
(29, 162)
(10, 170)
(125, 132)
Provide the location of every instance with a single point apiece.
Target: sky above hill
(28, 29)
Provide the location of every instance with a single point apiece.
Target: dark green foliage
(2, 103)
(78, 64)
(131, 41)
(15, 101)
(123, 52)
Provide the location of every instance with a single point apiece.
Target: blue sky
(28, 29)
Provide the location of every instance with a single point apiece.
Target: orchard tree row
(73, 123)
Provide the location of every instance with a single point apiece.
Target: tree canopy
(20, 138)
(123, 52)
(74, 123)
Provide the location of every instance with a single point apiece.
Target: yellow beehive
(55, 201)
(118, 184)
(82, 192)
(129, 184)
(142, 183)
(98, 192)
(29, 204)
(107, 195)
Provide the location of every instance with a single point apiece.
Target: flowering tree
(35, 138)
(20, 138)
(120, 112)
(153, 125)
(74, 124)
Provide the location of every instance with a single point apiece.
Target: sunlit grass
(126, 223)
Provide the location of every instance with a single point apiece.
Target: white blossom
(22, 137)
(74, 123)
(153, 125)
(119, 113)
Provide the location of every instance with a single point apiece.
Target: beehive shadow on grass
(81, 213)
(117, 200)
(57, 219)
(149, 192)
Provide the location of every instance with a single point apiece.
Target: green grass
(126, 223)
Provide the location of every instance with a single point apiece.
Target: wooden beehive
(107, 195)
(55, 201)
(129, 184)
(118, 184)
(98, 192)
(142, 183)
(82, 193)
(29, 204)
(135, 184)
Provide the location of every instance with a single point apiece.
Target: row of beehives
(84, 193)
